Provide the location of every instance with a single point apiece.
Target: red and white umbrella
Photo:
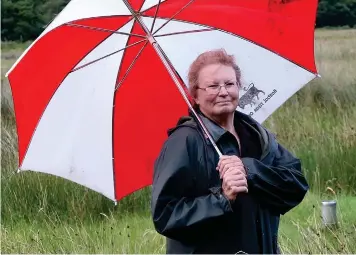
(95, 94)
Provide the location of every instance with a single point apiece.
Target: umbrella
(95, 93)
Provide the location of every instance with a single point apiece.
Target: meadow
(45, 214)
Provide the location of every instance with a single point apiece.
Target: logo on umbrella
(248, 97)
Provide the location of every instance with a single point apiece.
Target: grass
(45, 214)
(302, 230)
(319, 122)
(124, 232)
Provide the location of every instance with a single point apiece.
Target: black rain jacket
(188, 206)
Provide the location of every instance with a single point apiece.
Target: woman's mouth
(223, 102)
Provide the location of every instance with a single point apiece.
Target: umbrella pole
(169, 68)
(183, 93)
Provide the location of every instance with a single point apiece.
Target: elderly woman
(206, 204)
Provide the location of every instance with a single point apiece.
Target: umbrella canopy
(95, 94)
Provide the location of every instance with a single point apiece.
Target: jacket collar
(215, 130)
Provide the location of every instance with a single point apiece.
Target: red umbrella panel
(94, 94)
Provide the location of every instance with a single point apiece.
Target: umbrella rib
(164, 24)
(155, 17)
(108, 55)
(170, 69)
(173, 72)
(130, 67)
(241, 37)
(104, 30)
(187, 32)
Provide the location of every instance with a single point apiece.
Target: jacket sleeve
(280, 186)
(177, 214)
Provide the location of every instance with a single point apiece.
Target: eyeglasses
(215, 89)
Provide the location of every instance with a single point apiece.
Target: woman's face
(214, 100)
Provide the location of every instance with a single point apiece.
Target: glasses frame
(236, 84)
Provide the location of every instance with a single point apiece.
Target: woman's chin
(224, 109)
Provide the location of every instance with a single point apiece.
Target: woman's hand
(233, 173)
(227, 162)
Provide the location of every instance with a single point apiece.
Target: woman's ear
(196, 101)
(193, 100)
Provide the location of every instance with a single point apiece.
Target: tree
(24, 20)
(336, 13)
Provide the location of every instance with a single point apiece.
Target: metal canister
(328, 212)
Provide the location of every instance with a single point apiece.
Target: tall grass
(46, 214)
(319, 123)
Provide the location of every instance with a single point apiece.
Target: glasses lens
(216, 89)
(213, 90)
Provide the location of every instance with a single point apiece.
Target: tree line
(24, 20)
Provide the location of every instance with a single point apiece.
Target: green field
(45, 214)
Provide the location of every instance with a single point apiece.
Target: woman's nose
(223, 91)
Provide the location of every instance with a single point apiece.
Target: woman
(206, 204)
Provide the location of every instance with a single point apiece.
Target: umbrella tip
(318, 75)
(18, 170)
